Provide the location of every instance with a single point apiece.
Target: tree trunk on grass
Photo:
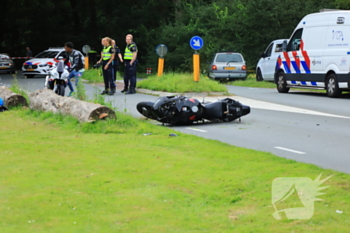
(47, 100)
(11, 99)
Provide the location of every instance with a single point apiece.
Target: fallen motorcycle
(182, 110)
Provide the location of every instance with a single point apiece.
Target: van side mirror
(60, 58)
(284, 46)
(263, 55)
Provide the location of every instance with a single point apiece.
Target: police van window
(269, 50)
(294, 43)
(278, 48)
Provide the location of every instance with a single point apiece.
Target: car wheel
(30, 75)
(259, 77)
(332, 86)
(282, 83)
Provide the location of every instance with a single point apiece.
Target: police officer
(130, 58)
(107, 57)
(116, 60)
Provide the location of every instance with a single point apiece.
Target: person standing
(117, 58)
(130, 58)
(107, 57)
(29, 53)
(76, 68)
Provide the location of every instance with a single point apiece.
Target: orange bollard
(160, 66)
(196, 67)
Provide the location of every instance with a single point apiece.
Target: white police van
(266, 67)
(317, 54)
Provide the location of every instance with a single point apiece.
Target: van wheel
(259, 77)
(282, 83)
(332, 86)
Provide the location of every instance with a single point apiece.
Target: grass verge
(57, 175)
(251, 82)
(180, 83)
(95, 75)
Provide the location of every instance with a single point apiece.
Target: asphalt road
(313, 131)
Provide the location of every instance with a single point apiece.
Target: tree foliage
(246, 26)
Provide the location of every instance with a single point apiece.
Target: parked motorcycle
(182, 110)
(57, 78)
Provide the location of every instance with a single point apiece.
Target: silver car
(6, 64)
(227, 66)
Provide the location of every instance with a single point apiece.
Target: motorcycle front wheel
(60, 89)
(145, 108)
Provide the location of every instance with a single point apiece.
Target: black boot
(131, 91)
(111, 92)
(124, 90)
(105, 92)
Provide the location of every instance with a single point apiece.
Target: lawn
(57, 175)
(251, 82)
(181, 83)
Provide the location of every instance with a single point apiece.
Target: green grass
(251, 82)
(94, 75)
(180, 83)
(57, 175)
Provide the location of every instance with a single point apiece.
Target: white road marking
(199, 130)
(290, 150)
(257, 104)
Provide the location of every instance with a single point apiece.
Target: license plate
(230, 68)
(2, 67)
(30, 69)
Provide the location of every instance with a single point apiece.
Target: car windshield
(47, 54)
(229, 57)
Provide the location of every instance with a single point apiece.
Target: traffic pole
(160, 66)
(86, 62)
(196, 67)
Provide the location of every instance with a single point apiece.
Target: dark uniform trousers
(130, 75)
(108, 76)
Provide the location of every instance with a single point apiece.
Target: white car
(265, 70)
(41, 63)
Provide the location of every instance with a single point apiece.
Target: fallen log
(47, 100)
(12, 99)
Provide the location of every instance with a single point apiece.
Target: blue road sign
(196, 43)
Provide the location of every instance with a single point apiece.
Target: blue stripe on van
(303, 82)
(296, 68)
(294, 82)
(307, 70)
(313, 83)
(286, 67)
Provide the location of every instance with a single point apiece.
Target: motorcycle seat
(213, 110)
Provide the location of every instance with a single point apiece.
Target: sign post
(161, 51)
(196, 44)
(86, 49)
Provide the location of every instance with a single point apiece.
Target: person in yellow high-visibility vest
(107, 57)
(130, 59)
